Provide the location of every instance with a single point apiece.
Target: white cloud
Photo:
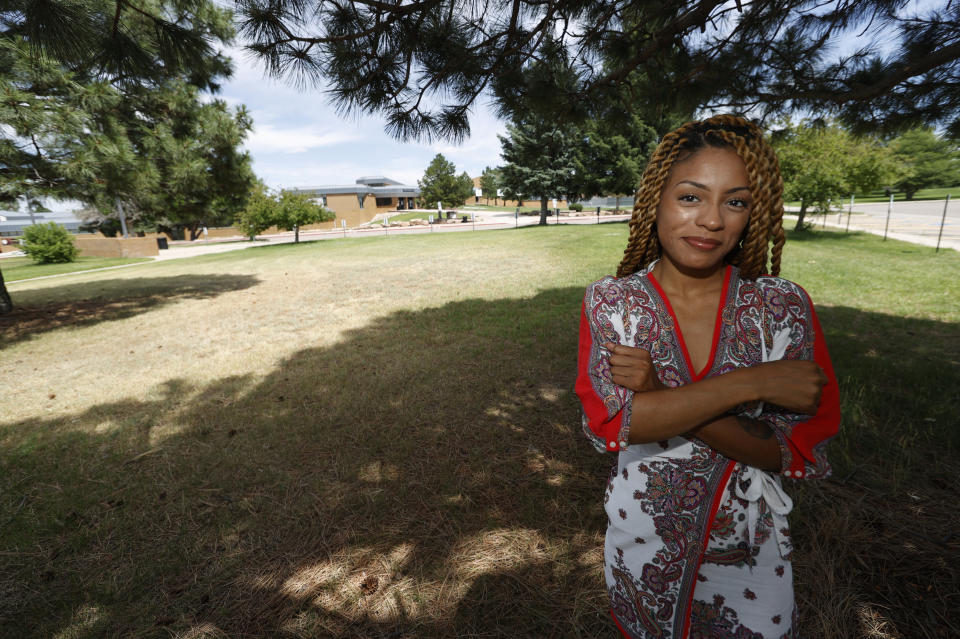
(267, 138)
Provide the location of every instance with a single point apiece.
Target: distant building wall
(116, 247)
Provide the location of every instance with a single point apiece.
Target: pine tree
(925, 159)
(540, 162)
(592, 56)
(440, 183)
(70, 68)
(490, 184)
(611, 159)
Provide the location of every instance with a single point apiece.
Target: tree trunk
(803, 212)
(618, 204)
(6, 304)
(543, 211)
(910, 193)
(123, 219)
(296, 234)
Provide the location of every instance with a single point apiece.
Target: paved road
(917, 222)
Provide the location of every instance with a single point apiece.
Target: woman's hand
(632, 368)
(792, 384)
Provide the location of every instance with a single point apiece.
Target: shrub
(576, 206)
(49, 243)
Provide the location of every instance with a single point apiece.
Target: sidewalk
(917, 222)
(488, 221)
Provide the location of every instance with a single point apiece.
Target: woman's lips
(702, 243)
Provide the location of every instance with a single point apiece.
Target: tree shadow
(424, 477)
(810, 234)
(88, 303)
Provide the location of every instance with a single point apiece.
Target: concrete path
(488, 220)
(917, 222)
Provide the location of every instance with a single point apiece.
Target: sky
(299, 140)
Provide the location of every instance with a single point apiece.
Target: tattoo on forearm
(755, 428)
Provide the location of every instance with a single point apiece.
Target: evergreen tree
(540, 162)
(611, 159)
(77, 80)
(925, 160)
(466, 187)
(396, 58)
(440, 183)
(490, 184)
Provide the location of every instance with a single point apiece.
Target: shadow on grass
(810, 234)
(424, 477)
(86, 303)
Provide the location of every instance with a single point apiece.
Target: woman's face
(703, 209)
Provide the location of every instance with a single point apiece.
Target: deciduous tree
(823, 163)
(296, 209)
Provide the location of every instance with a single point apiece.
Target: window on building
(384, 201)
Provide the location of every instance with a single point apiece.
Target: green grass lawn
(898, 196)
(23, 268)
(378, 437)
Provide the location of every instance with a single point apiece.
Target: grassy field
(378, 437)
(23, 268)
(898, 196)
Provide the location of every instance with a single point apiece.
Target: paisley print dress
(698, 545)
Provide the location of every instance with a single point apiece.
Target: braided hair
(765, 224)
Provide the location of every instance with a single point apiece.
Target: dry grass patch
(378, 438)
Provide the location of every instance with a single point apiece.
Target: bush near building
(49, 243)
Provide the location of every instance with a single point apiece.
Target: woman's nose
(709, 216)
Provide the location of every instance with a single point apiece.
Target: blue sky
(299, 140)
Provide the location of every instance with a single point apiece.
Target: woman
(709, 378)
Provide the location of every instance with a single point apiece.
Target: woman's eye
(740, 204)
(689, 197)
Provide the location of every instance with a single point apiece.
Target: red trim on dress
(696, 377)
(826, 422)
(619, 627)
(714, 506)
(598, 417)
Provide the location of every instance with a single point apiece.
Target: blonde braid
(766, 188)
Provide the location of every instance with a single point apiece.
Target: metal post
(386, 224)
(556, 211)
(516, 218)
(826, 213)
(598, 215)
(473, 217)
(943, 219)
(889, 211)
(849, 212)
(343, 225)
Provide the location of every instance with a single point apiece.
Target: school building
(360, 202)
